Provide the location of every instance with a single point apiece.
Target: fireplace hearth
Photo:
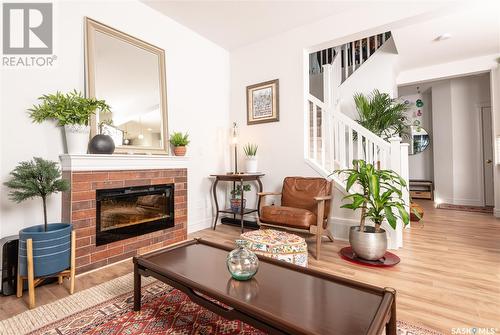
(126, 212)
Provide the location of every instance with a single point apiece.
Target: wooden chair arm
(263, 194)
(323, 198)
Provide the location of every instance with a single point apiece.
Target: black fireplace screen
(133, 211)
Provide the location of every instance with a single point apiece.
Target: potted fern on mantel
(71, 111)
(378, 194)
(179, 141)
(40, 178)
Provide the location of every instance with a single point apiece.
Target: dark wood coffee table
(281, 299)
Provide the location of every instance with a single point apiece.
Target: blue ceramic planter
(51, 248)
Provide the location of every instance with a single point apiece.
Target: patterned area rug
(164, 311)
(477, 209)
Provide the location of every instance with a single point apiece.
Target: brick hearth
(79, 208)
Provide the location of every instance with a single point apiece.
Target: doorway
(487, 155)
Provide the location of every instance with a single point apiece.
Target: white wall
(285, 56)
(197, 92)
(378, 72)
(457, 138)
(495, 99)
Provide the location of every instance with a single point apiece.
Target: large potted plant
(379, 196)
(251, 157)
(237, 200)
(382, 115)
(71, 111)
(179, 141)
(40, 178)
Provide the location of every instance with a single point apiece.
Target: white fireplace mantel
(88, 162)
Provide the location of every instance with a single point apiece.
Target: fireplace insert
(122, 213)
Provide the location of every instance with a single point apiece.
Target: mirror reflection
(128, 74)
(419, 140)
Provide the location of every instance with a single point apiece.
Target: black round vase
(101, 144)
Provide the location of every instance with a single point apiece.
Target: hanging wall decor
(419, 103)
(263, 102)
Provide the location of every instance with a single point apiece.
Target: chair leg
(329, 234)
(318, 242)
(31, 273)
(73, 263)
(20, 283)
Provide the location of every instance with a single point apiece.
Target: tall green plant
(68, 109)
(379, 194)
(381, 115)
(36, 178)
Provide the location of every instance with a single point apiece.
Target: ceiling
(233, 24)
(475, 31)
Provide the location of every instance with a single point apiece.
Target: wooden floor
(449, 275)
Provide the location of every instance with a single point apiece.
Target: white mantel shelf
(88, 162)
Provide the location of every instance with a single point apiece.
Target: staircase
(333, 139)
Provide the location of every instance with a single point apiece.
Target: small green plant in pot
(179, 141)
(40, 178)
(237, 200)
(251, 157)
(71, 111)
(379, 196)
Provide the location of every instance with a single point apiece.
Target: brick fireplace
(90, 173)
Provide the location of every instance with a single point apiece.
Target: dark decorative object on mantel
(101, 144)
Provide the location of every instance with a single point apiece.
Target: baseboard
(496, 212)
(340, 227)
(200, 225)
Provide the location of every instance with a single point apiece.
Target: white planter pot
(251, 165)
(77, 138)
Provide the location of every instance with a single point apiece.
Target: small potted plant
(380, 199)
(236, 200)
(251, 157)
(179, 142)
(71, 111)
(51, 242)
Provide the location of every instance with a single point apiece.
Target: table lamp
(235, 143)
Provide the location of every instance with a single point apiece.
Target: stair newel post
(396, 236)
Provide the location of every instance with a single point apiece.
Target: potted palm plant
(379, 196)
(251, 157)
(179, 142)
(71, 111)
(382, 115)
(236, 200)
(40, 178)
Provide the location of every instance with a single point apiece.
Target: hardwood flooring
(449, 275)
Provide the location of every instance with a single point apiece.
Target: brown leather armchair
(305, 206)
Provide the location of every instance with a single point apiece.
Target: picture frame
(263, 102)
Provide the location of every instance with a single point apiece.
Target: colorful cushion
(278, 245)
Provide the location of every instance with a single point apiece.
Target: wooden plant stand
(34, 282)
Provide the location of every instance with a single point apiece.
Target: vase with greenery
(251, 157)
(73, 112)
(237, 200)
(379, 196)
(382, 115)
(40, 178)
(179, 141)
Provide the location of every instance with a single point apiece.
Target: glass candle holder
(241, 262)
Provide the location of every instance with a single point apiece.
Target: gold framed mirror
(129, 74)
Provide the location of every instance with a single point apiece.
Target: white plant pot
(77, 138)
(251, 164)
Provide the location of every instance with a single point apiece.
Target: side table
(235, 178)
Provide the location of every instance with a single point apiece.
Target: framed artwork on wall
(263, 102)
